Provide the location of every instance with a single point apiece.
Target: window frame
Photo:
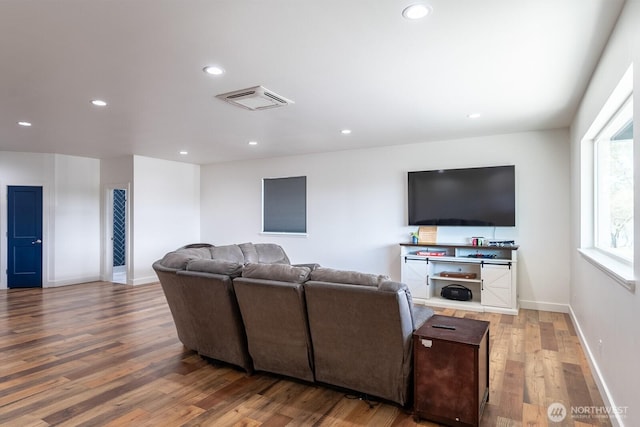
(621, 272)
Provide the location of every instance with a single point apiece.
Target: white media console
(488, 271)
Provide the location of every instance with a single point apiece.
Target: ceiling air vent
(255, 98)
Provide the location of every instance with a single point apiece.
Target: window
(607, 181)
(613, 185)
(284, 205)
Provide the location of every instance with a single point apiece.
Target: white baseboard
(144, 280)
(597, 375)
(73, 281)
(544, 306)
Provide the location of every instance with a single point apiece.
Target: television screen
(463, 197)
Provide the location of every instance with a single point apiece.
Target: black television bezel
(460, 222)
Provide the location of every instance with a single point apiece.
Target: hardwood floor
(100, 354)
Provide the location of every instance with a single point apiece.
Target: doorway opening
(116, 268)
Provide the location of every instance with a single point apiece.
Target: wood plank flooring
(100, 354)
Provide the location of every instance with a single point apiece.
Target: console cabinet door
(496, 285)
(414, 274)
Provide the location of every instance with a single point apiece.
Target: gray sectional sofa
(247, 305)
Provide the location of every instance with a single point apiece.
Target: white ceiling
(357, 64)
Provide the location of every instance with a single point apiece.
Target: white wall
(70, 206)
(602, 309)
(76, 225)
(116, 172)
(166, 211)
(357, 205)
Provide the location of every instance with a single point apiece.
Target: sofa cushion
(177, 260)
(195, 252)
(271, 253)
(322, 274)
(249, 252)
(215, 266)
(277, 272)
(228, 253)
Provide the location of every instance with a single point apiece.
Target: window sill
(283, 233)
(618, 271)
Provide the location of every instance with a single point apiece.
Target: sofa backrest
(225, 259)
(174, 292)
(331, 275)
(265, 253)
(211, 302)
(206, 314)
(275, 320)
(361, 336)
(231, 253)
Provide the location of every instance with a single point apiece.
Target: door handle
(36, 242)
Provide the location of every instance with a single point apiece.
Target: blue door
(24, 229)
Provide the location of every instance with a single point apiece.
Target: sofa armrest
(157, 266)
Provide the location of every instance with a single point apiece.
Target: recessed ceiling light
(345, 131)
(253, 142)
(184, 153)
(416, 11)
(25, 124)
(98, 102)
(214, 70)
(473, 115)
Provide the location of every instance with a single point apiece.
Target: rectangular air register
(255, 98)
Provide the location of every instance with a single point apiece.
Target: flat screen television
(483, 196)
